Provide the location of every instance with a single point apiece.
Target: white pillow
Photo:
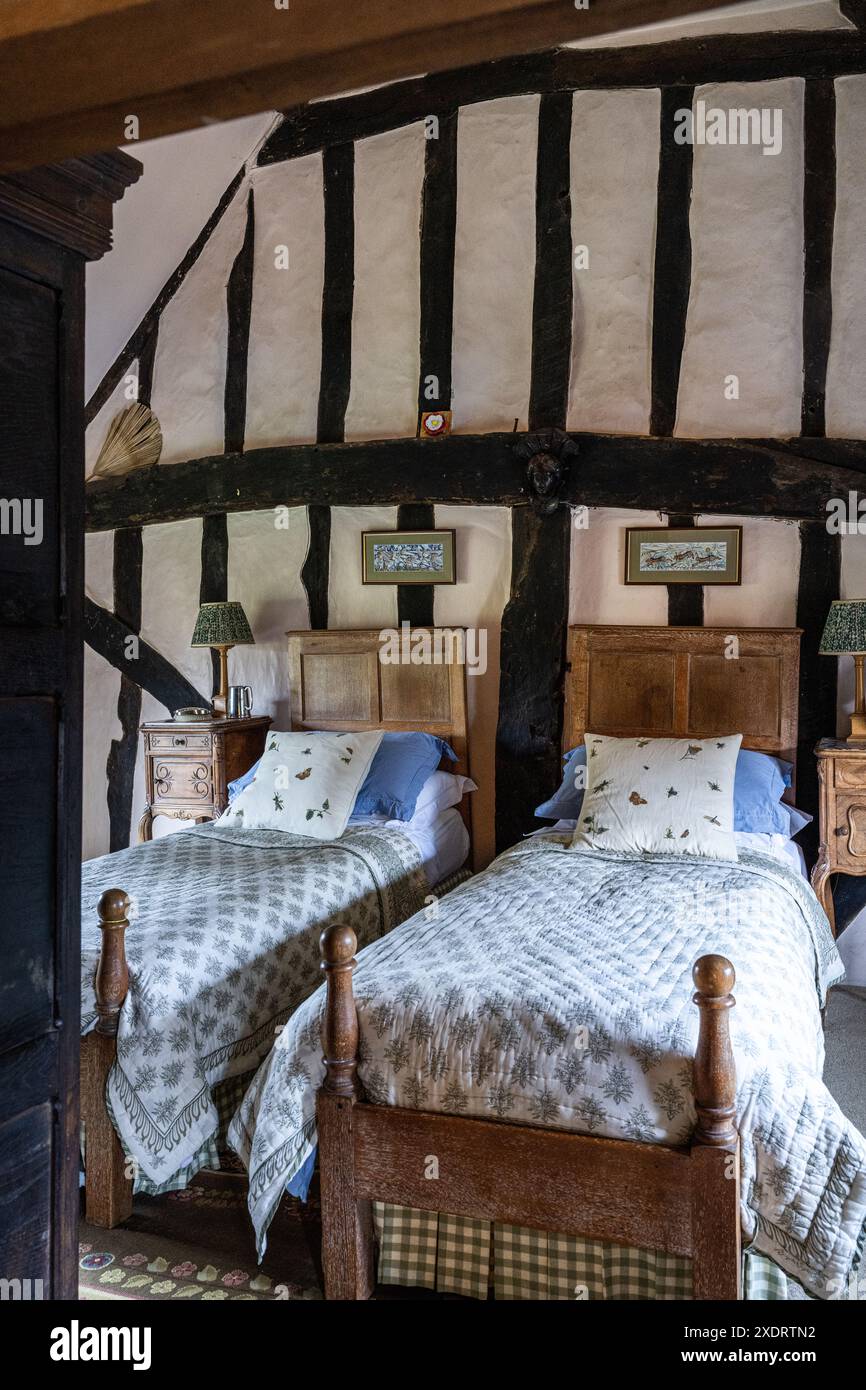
(660, 795)
(441, 791)
(305, 783)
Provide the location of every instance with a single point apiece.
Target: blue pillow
(236, 787)
(402, 764)
(759, 784)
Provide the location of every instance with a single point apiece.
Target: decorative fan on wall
(134, 440)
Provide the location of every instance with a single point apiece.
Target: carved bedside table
(187, 767)
(842, 779)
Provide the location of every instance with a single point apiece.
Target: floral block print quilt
(223, 944)
(555, 989)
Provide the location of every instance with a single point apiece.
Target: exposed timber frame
(790, 478)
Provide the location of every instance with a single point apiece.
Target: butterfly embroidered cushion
(305, 783)
(659, 795)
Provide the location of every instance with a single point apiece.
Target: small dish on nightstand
(193, 714)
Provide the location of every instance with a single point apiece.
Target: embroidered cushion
(305, 783)
(659, 796)
(759, 785)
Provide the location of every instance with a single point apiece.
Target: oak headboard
(338, 682)
(679, 682)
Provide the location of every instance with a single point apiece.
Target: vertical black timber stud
(673, 262)
(145, 365)
(338, 168)
(820, 563)
(438, 226)
(128, 551)
(819, 215)
(214, 586)
(685, 601)
(415, 601)
(239, 303)
(120, 766)
(535, 620)
(671, 283)
(820, 552)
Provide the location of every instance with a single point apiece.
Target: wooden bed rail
(108, 1188)
(683, 1201)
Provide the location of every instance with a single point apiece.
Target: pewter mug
(240, 702)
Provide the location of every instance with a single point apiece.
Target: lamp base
(858, 729)
(220, 699)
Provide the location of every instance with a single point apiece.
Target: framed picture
(408, 557)
(683, 555)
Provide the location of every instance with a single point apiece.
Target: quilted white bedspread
(223, 944)
(555, 989)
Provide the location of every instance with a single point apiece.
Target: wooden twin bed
(337, 683)
(628, 681)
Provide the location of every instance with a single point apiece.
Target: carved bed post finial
(112, 974)
(715, 1079)
(340, 1027)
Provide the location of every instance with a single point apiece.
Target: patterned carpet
(198, 1245)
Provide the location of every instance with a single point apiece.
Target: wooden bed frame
(337, 682)
(674, 682)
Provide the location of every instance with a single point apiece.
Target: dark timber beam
(685, 601)
(415, 601)
(820, 562)
(72, 73)
(335, 380)
(110, 637)
(673, 262)
(214, 583)
(791, 478)
(436, 266)
(819, 216)
(239, 304)
(679, 62)
(120, 766)
(671, 288)
(535, 618)
(316, 569)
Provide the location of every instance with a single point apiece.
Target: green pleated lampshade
(845, 628)
(221, 625)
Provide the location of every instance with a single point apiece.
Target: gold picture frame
(397, 557)
(683, 554)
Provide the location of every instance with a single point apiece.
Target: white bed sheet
(443, 844)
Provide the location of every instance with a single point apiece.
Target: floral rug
(198, 1245)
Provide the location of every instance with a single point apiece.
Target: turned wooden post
(111, 981)
(715, 1152)
(347, 1224)
(108, 1189)
(340, 1028)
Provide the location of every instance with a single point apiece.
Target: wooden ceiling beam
(677, 62)
(792, 478)
(75, 70)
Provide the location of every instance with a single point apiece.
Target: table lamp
(845, 635)
(221, 625)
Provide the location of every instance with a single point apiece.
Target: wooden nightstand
(187, 767)
(842, 778)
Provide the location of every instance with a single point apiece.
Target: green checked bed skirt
(458, 1255)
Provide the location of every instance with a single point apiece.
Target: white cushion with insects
(659, 795)
(306, 783)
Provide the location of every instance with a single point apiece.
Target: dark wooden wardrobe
(52, 221)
